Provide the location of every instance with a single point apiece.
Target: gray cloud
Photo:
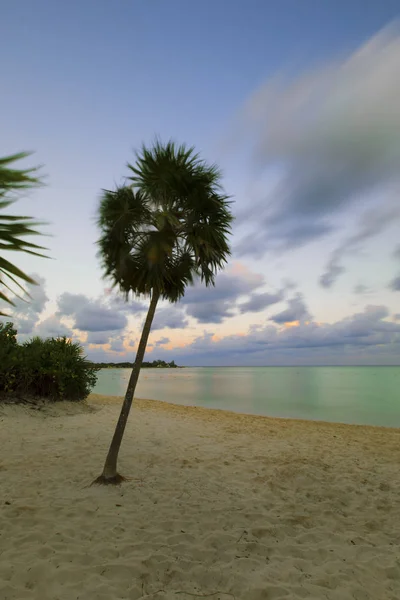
(361, 290)
(116, 344)
(90, 315)
(211, 312)
(394, 285)
(98, 318)
(68, 303)
(332, 272)
(162, 341)
(258, 302)
(98, 337)
(296, 311)
(371, 224)
(114, 354)
(363, 338)
(170, 317)
(129, 307)
(26, 312)
(332, 135)
(289, 285)
(214, 304)
(52, 327)
(229, 285)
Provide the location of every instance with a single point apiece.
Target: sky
(298, 104)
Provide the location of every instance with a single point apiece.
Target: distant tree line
(156, 364)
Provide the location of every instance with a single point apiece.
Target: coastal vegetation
(52, 369)
(168, 228)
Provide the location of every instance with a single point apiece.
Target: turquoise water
(364, 395)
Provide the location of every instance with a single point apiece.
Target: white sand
(220, 506)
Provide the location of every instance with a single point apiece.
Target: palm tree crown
(166, 228)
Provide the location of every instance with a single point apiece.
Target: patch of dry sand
(220, 506)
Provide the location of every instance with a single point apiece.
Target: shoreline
(216, 412)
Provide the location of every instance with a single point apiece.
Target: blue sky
(297, 101)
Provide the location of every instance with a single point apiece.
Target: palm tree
(13, 229)
(159, 234)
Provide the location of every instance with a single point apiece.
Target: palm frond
(14, 229)
(14, 180)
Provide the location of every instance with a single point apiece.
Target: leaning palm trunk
(110, 474)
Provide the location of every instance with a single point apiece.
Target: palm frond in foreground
(14, 229)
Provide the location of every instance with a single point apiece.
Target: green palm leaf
(14, 229)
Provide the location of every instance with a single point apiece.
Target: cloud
(101, 338)
(170, 317)
(289, 285)
(296, 311)
(98, 337)
(162, 341)
(26, 312)
(98, 318)
(394, 285)
(362, 290)
(103, 317)
(235, 281)
(117, 345)
(211, 312)
(90, 315)
(214, 304)
(129, 307)
(68, 303)
(52, 327)
(363, 338)
(366, 337)
(258, 302)
(329, 136)
(372, 223)
(332, 272)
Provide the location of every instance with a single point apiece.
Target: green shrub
(9, 357)
(53, 368)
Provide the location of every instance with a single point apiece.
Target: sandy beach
(220, 506)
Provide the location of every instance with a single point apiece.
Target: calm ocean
(364, 395)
